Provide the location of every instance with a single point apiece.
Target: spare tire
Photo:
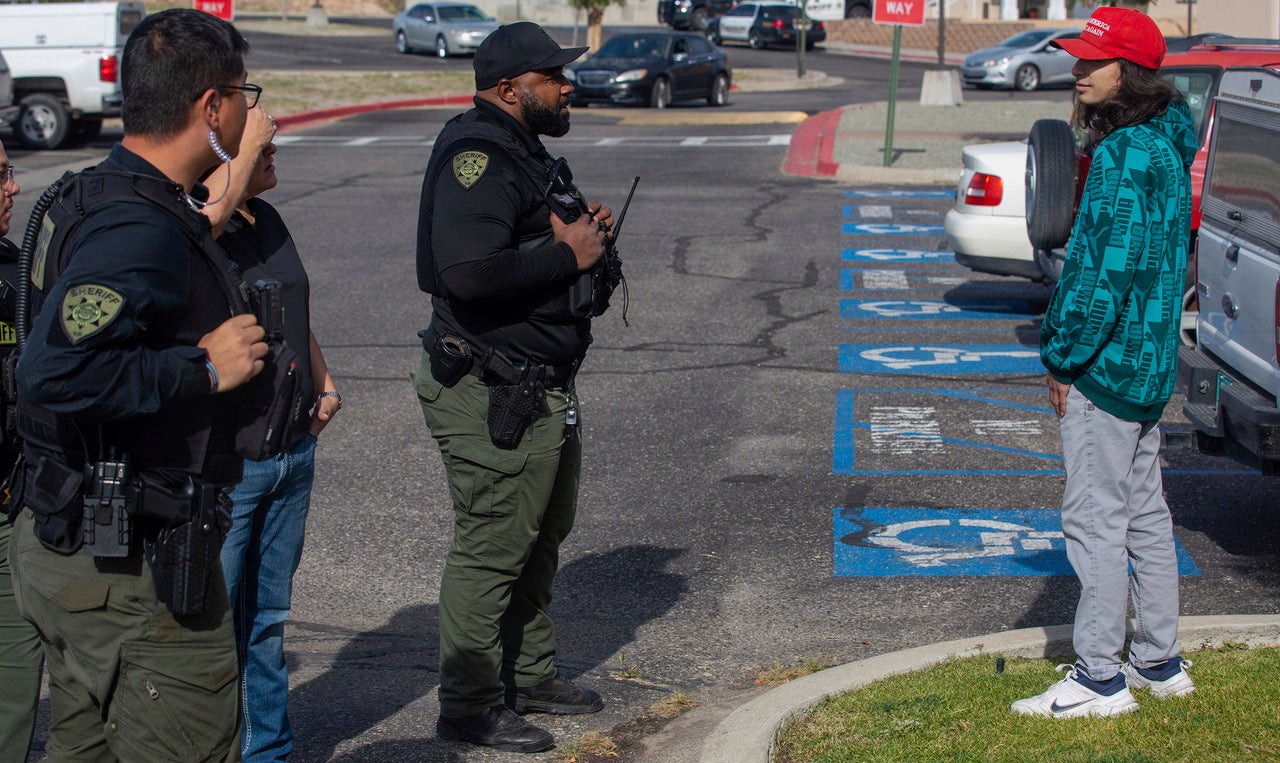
(1051, 183)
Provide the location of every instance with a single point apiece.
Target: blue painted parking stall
(937, 359)
(885, 542)
(888, 432)
(897, 255)
(888, 229)
(936, 309)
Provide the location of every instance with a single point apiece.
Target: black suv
(691, 14)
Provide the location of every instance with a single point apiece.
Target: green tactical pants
(128, 680)
(512, 509)
(20, 666)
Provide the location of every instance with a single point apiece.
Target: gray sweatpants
(1114, 515)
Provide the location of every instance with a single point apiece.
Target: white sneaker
(1069, 698)
(1178, 685)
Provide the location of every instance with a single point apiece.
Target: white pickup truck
(1232, 375)
(65, 61)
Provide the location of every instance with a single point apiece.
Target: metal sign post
(896, 12)
(893, 95)
(802, 24)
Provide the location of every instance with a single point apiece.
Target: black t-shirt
(265, 250)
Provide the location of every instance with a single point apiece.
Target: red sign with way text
(905, 12)
(226, 9)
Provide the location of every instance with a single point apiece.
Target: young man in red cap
(1109, 340)
(496, 385)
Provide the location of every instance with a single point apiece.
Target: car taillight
(984, 190)
(108, 67)
(778, 25)
(818, 26)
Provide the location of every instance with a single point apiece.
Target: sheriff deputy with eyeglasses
(127, 394)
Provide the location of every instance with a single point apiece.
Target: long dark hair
(1143, 95)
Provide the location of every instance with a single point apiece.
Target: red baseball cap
(1118, 33)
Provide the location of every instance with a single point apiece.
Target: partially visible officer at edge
(130, 361)
(496, 385)
(20, 657)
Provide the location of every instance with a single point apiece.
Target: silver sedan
(1025, 61)
(444, 28)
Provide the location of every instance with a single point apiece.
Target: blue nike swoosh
(1055, 707)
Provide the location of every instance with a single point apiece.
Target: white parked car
(987, 227)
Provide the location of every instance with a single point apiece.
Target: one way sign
(905, 12)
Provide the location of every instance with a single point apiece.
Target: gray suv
(1232, 376)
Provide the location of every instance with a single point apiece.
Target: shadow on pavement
(601, 600)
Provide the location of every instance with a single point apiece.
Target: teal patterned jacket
(1111, 328)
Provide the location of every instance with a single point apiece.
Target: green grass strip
(959, 711)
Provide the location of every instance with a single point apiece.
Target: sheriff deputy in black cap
(496, 384)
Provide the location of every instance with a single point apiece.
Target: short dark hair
(170, 59)
(1143, 95)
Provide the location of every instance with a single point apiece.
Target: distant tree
(595, 17)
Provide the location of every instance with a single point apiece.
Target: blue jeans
(259, 558)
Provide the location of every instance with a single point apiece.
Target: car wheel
(660, 97)
(1027, 77)
(1190, 312)
(755, 40)
(442, 47)
(402, 43)
(1051, 183)
(808, 44)
(698, 19)
(719, 94)
(43, 122)
(857, 12)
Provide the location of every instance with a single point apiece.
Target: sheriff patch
(88, 309)
(468, 166)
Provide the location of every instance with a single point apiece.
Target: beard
(542, 119)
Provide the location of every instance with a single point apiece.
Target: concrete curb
(812, 154)
(749, 733)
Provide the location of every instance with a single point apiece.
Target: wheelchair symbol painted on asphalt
(963, 359)
(882, 542)
(929, 308)
(994, 539)
(896, 255)
(889, 229)
(899, 308)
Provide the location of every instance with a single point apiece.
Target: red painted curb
(813, 145)
(302, 119)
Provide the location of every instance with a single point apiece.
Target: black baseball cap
(513, 49)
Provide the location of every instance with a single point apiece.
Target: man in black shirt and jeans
(496, 385)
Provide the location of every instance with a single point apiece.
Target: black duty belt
(492, 367)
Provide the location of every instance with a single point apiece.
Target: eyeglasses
(251, 92)
(6, 174)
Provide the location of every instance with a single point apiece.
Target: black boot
(496, 727)
(558, 697)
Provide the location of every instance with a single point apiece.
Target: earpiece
(218, 150)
